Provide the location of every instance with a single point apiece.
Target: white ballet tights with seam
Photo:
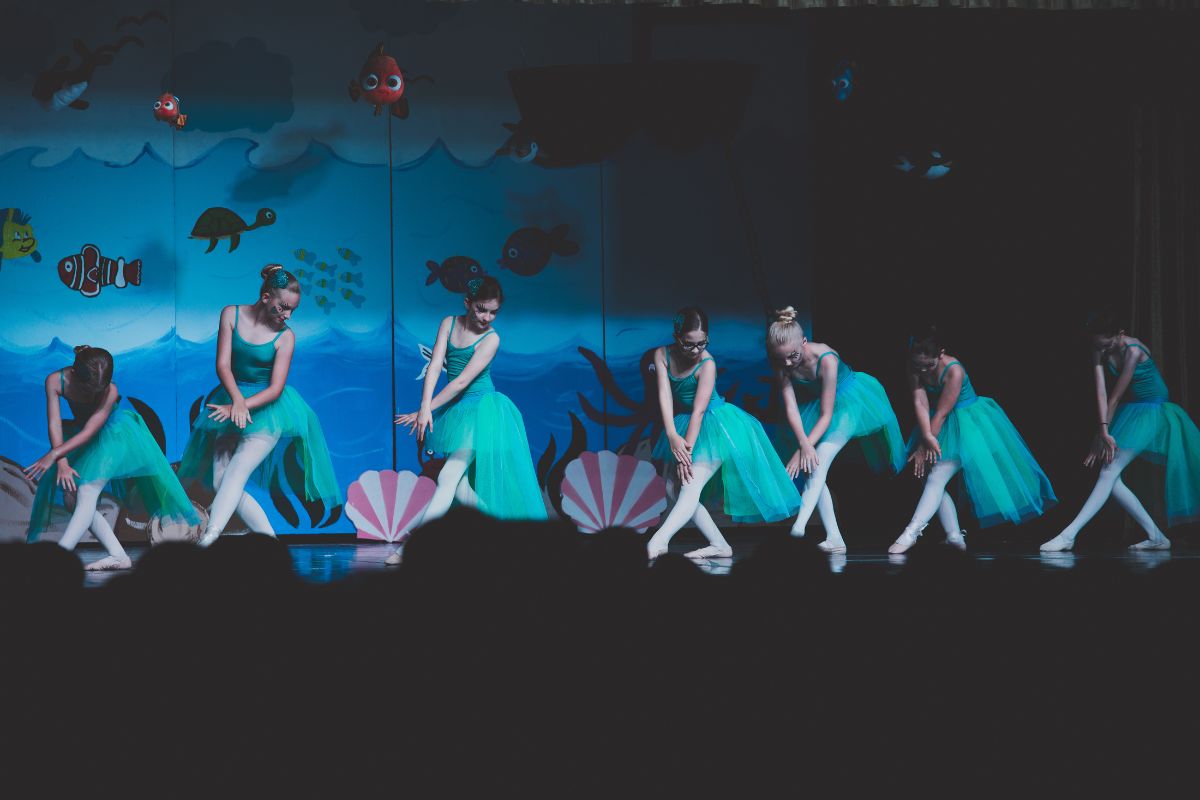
(815, 496)
(230, 475)
(689, 508)
(1109, 484)
(85, 517)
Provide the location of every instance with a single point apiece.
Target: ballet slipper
(957, 540)
(907, 538)
(1058, 544)
(109, 563)
(208, 538)
(394, 559)
(654, 552)
(832, 548)
(712, 551)
(1152, 544)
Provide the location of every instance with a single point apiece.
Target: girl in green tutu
(254, 414)
(478, 431)
(105, 444)
(713, 448)
(1142, 425)
(827, 405)
(959, 431)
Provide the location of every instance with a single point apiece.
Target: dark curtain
(1164, 276)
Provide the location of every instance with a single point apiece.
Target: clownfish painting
(88, 271)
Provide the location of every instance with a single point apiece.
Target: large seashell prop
(171, 529)
(385, 505)
(602, 490)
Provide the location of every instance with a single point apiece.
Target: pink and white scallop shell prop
(601, 490)
(386, 505)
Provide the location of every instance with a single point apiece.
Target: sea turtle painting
(221, 223)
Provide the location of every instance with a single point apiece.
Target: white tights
(85, 517)
(688, 507)
(451, 485)
(1110, 484)
(936, 500)
(816, 494)
(230, 474)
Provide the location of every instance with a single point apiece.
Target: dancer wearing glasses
(712, 447)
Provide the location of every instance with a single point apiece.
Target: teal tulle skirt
(1164, 435)
(861, 412)
(752, 482)
(124, 454)
(289, 419)
(490, 427)
(1000, 477)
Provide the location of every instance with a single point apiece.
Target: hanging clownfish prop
(381, 83)
(166, 109)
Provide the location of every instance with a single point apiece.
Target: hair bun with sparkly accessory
(277, 276)
(677, 323)
(473, 287)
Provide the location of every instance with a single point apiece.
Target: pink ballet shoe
(957, 540)
(825, 546)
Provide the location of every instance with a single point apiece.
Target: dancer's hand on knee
(240, 414)
(684, 471)
(221, 412)
(66, 475)
(424, 423)
(38, 468)
(933, 448)
(808, 458)
(680, 449)
(918, 459)
(1104, 450)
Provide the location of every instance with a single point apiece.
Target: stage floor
(327, 562)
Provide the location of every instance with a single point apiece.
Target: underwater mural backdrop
(386, 153)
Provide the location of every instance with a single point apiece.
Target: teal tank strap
(698, 365)
(276, 339)
(481, 338)
(826, 353)
(942, 377)
(237, 311)
(1139, 347)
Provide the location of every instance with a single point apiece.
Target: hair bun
(785, 314)
(80, 348)
(268, 269)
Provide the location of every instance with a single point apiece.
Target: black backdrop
(1032, 227)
